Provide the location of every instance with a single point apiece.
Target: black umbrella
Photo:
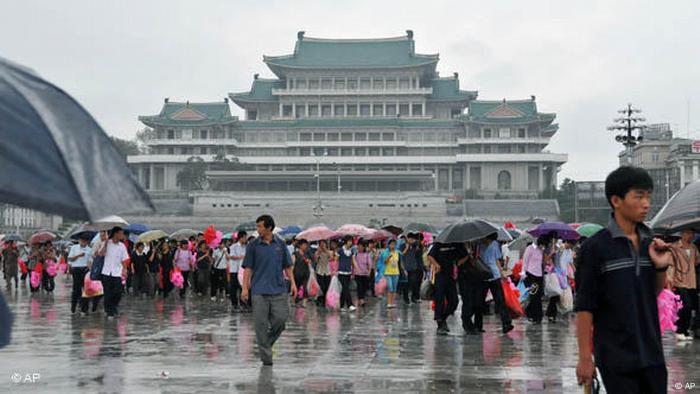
(13, 237)
(396, 230)
(466, 231)
(418, 228)
(54, 157)
(681, 212)
(82, 232)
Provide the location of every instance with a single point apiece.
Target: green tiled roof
(447, 89)
(352, 53)
(190, 114)
(506, 111)
(348, 122)
(260, 91)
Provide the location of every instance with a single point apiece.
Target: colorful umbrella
(559, 229)
(355, 230)
(107, 223)
(589, 229)
(41, 237)
(184, 234)
(153, 235)
(317, 233)
(137, 228)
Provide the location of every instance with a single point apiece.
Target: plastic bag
(35, 279)
(91, 288)
(51, 268)
(241, 272)
(566, 301)
(551, 286)
(333, 294)
(427, 289)
(23, 266)
(669, 304)
(511, 296)
(177, 279)
(380, 286)
(312, 286)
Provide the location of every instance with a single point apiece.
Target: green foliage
(125, 147)
(193, 176)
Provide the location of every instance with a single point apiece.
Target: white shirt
(80, 261)
(116, 254)
(219, 259)
(236, 250)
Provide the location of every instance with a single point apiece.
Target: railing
(354, 92)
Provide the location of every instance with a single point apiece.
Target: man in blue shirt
(619, 273)
(265, 259)
(492, 257)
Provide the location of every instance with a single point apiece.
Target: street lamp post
(627, 124)
(318, 209)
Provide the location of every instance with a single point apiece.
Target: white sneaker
(213, 298)
(352, 308)
(342, 309)
(683, 337)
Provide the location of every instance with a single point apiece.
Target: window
(387, 151)
(391, 110)
(475, 178)
(352, 109)
(387, 136)
(319, 137)
(352, 84)
(533, 178)
(346, 136)
(417, 110)
(305, 137)
(404, 83)
(521, 148)
(300, 110)
(503, 148)
(332, 137)
(252, 115)
(443, 179)
(360, 151)
(504, 132)
(364, 109)
(339, 84)
(332, 151)
(171, 134)
(390, 84)
(326, 84)
(305, 152)
(374, 136)
(378, 110)
(171, 151)
(313, 111)
(504, 180)
(487, 148)
(202, 150)
(339, 110)
(301, 84)
(374, 151)
(346, 152)
(313, 84)
(326, 110)
(521, 133)
(403, 109)
(457, 179)
(365, 84)
(360, 136)
(286, 110)
(378, 84)
(487, 133)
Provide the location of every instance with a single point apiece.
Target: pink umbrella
(377, 234)
(41, 237)
(356, 230)
(317, 233)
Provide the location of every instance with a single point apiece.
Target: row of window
(328, 110)
(357, 83)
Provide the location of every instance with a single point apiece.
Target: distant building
(590, 204)
(25, 221)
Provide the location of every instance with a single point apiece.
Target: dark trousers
(685, 314)
(412, 288)
(140, 283)
(445, 290)
(534, 308)
(76, 296)
(345, 297)
(371, 282)
(186, 284)
(234, 289)
(202, 278)
(324, 281)
(501, 309)
(167, 284)
(362, 286)
(651, 380)
(218, 281)
(113, 293)
(47, 282)
(468, 291)
(552, 307)
(301, 279)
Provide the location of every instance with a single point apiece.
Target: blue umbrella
(559, 229)
(290, 230)
(137, 228)
(54, 157)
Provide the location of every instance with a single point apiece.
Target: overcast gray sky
(583, 60)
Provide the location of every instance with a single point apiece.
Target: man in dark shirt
(619, 273)
(265, 259)
(443, 258)
(413, 262)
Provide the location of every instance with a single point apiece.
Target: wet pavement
(200, 346)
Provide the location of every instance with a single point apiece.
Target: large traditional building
(357, 116)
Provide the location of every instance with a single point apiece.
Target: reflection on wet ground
(199, 345)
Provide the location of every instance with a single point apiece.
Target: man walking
(266, 257)
(236, 256)
(114, 269)
(443, 258)
(413, 263)
(78, 259)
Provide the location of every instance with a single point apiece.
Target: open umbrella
(514, 232)
(153, 235)
(184, 234)
(521, 242)
(589, 229)
(290, 230)
(317, 233)
(466, 231)
(396, 230)
(504, 235)
(377, 235)
(355, 230)
(13, 237)
(107, 223)
(248, 227)
(54, 157)
(681, 212)
(418, 228)
(41, 237)
(559, 229)
(137, 228)
(82, 232)
(227, 236)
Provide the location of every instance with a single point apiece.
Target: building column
(294, 110)
(384, 108)
(345, 104)
(371, 108)
(695, 171)
(151, 177)
(410, 108)
(280, 114)
(437, 176)
(681, 165)
(541, 186)
(449, 178)
(423, 108)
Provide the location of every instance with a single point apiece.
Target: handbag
(96, 269)
(476, 269)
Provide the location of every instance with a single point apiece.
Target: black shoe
(508, 328)
(552, 319)
(267, 363)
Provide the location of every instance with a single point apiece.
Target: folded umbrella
(681, 212)
(54, 156)
(466, 231)
(153, 235)
(107, 223)
(184, 234)
(558, 229)
(41, 237)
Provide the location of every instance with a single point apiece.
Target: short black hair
(622, 180)
(114, 230)
(183, 242)
(242, 234)
(302, 242)
(267, 220)
(139, 244)
(192, 238)
(347, 238)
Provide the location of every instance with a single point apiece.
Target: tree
(193, 175)
(565, 196)
(125, 147)
(143, 137)
(222, 163)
